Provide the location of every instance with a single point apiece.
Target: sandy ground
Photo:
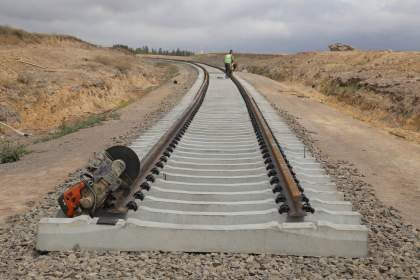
(25, 181)
(389, 164)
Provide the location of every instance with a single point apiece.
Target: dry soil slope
(46, 80)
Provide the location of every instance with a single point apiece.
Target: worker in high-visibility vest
(228, 63)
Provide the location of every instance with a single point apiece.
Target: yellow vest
(228, 58)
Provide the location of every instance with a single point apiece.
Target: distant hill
(14, 36)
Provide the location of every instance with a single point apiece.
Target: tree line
(147, 50)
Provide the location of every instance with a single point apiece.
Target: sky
(265, 26)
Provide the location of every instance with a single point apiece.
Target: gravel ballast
(393, 245)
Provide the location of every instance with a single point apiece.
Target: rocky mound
(338, 47)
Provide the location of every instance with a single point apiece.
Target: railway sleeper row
(217, 186)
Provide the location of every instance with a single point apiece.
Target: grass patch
(92, 120)
(122, 63)
(114, 115)
(267, 72)
(10, 152)
(172, 71)
(122, 104)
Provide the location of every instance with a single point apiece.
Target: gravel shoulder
(388, 163)
(26, 181)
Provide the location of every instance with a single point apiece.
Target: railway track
(222, 173)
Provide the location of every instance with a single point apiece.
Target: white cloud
(246, 25)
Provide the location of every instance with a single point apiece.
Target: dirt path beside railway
(390, 164)
(49, 164)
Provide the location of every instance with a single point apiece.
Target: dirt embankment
(46, 80)
(381, 87)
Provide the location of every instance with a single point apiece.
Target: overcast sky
(217, 25)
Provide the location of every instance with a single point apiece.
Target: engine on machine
(108, 174)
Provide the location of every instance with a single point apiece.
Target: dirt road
(390, 164)
(27, 180)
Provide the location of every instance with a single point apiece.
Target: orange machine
(71, 198)
(108, 172)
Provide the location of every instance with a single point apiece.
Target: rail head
(295, 203)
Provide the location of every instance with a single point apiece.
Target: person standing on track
(228, 64)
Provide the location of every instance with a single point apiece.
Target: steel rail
(283, 179)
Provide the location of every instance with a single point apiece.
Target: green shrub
(10, 152)
(92, 120)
